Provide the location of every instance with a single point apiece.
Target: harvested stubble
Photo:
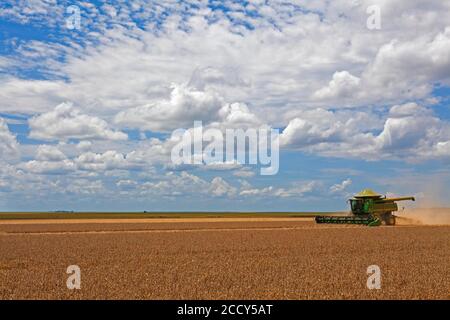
(223, 260)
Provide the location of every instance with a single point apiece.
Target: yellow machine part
(367, 193)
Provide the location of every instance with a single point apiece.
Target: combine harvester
(368, 208)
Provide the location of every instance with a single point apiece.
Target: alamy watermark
(199, 146)
(73, 21)
(373, 21)
(74, 280)
(374, 279)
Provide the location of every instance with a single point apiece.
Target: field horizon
(443, 214)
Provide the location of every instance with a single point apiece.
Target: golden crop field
(235, 257)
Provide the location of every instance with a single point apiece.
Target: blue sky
(87, 114)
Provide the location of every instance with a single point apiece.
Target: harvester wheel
(389, 219)
(393, 220)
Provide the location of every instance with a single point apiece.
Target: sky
(92, 92)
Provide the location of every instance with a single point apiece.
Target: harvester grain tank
(368, 208)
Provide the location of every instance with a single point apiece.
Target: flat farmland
(221, 258)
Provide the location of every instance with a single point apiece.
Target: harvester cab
(368, 208)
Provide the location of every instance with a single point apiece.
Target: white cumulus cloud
(8, 143)
(66, 122)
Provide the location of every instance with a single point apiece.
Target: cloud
(222, 166)
(237, 115)
(8, 143)
(408, 131)
(257, 191)
(4, 62)
(184, 184)
(343, 85)
(442, 149)
(66, 122)
(49, 153)
(219, 187)
(286, 52)
(127, 184)
(298, 189)
(428, 54)
(84, 145)
(108, 160)
(388, 77)
(244, 173)
(318, 126)
(50, 160)
(175, 185)
(414, 130)
(26, 11)
(48, 167)
(98, 157)
(408, 109)
(208, 77)
(85, 187)
(339, 187)
(30, 96)
(186, 105)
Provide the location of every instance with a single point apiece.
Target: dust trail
(432, 204)
(432, 207)
(425, 216)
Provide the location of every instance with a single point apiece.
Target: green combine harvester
(368, 208)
